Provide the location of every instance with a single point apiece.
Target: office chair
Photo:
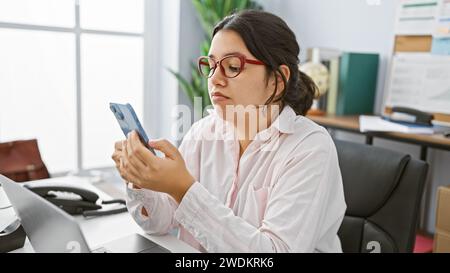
(383, 190)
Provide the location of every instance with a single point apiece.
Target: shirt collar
(285, 121)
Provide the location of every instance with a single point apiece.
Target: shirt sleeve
(161, 207)
(296, 211)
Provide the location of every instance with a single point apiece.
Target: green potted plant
(210, 12)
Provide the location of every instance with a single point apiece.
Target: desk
(351, 124)
(101, 230)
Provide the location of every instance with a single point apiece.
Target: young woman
(274, 189)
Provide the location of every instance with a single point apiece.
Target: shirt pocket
(260, 196)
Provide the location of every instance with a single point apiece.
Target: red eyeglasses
(231, 66)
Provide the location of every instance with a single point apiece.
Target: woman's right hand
(117, 156)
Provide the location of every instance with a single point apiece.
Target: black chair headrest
(367, 188)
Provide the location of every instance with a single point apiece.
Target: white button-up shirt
(284, 194)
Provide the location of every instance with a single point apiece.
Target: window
(37, 93)
(56, 13)
(59, 57)
(120, 15)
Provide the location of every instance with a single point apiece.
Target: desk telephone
(410, 116)
(77, 201)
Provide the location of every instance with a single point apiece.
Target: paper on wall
(417, 17)
(442, 28)
(420, 81)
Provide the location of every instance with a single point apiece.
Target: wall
(353, 26)
(190, 38)
(173, 35)
(162, 39)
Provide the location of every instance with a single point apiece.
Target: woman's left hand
(142, 168)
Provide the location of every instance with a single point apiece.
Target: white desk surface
(100, 230)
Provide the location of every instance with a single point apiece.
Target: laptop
(52, 230)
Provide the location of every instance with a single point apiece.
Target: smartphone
(128, 121)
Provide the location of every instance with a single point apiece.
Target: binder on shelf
(358, 74)
(330, 58)
(333, 86)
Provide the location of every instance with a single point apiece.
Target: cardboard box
(441, 242)
(442, 235)
(413, 43)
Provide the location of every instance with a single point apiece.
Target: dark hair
(271, 41)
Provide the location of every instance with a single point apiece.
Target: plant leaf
(187, 88)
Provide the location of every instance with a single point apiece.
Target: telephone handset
(76, 201)
(410, 116)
